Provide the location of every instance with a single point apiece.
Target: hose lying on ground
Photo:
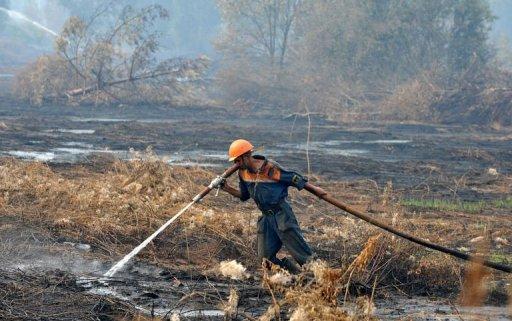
(326, 197)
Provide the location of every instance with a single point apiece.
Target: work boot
(266, 264)
(290, 266)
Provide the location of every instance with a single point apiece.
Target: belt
(271, 210)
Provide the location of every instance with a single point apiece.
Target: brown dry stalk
(274, 309)
(474, 289)
(510, 299)
(362, 260)
(366, 254)
(230, 306)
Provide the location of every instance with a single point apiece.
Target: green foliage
(500, 257)
(459, 206)
(503, 203)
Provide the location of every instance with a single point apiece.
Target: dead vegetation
(98, 62)
(116, 207)
(317, 298)
(480, 98)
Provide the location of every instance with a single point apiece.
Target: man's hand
(218, 181)
(222, 183)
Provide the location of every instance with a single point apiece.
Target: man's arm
(242, 194)
(289, 178)
(231, 190)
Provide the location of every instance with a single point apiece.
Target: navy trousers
(280, 229)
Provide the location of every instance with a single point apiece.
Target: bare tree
(260, 26)
(115, 57)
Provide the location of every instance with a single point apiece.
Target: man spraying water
(266, 182)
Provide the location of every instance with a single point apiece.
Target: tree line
(343, 56)
(406, 59)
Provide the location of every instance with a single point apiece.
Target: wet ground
(27, 250)
(417, 158)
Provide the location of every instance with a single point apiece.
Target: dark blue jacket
(269, 186)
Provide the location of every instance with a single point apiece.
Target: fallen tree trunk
(97, 87)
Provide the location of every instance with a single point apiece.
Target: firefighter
(266, 182)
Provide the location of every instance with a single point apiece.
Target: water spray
(214, 184)
(19, 16)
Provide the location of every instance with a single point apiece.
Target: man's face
(242, 161)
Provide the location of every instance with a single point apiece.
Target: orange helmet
(238, 148)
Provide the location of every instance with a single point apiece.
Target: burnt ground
(421, 161)
(44, 277)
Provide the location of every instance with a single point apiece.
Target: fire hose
(215, 183)
(365, 217)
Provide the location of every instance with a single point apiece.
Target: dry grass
(314, 294)
(117, 207)
(231, 304)
(479, 98)
(414, 99)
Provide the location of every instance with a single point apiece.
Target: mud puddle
(64, 154)
(122, 120)
(80, 152)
